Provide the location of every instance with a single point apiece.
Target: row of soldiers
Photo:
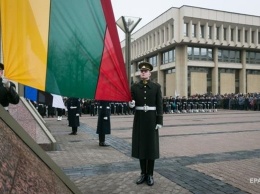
(189, 105)
(170, 105)
(116, 108)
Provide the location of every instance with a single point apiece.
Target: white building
(197, 50)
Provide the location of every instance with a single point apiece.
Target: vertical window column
(250, 36)
(198, 31)
(214, 32)
(243, 35)
(257, 37)
(221, 38)
(207, 36)
(170, 32)
(190, 30)
(229, 34)
(165, 35)
(236, 35)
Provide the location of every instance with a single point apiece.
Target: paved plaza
(199, 153)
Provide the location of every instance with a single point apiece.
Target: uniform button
(144, 97)
(144, 91)
(145, 86)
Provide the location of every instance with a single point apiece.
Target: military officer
(103, 125)
(73, 106)
(7, 91)
(148, 118)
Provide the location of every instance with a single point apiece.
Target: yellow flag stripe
(25, 26)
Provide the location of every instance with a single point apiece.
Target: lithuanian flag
(64, 47)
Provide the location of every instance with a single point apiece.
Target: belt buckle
(145, 108)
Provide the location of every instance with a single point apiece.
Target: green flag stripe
(75, 47)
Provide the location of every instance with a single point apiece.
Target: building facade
(196, 51)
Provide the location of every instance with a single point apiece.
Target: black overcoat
(8, 96)
(73, 106)
(145, 139)
(103, 125)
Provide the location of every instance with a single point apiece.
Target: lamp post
(127, 24)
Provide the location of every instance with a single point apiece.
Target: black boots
(103, 144)
(149, 180)
(101, 138)
(147, 167)
(141, 179)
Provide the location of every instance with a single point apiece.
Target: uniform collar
(141, 83)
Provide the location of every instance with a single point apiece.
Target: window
(245, 35)
(225, 33)
(202, 31)
(210, 32)
(162, 36)
(231, 56)
(154, 39)
(201, 54)
(252, 36)
(232, 34)
(217, 33)
(252, 57)
(168, 56)
(189, 53)
(258, 37)
(194, 30)
(172, 35)
(158, 38)
(153, 60)
(185, 30)
(238, 35)
(257, 58)
(167, 34)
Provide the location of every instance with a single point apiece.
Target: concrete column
(165, 36)
(256, 37)
(243, 36)
(214, 32)
(221, 38)
(228, 34)
(236, 35)
(215, 72)
(198, 31)
(160, 73)
(135, 78)
(242, 73)
(207, 31)
(190, 30)
(249, 36)
(170, 26)
(181, 70)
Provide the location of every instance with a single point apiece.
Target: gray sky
(150, 9)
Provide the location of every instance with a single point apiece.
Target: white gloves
(105, 118)
(6, 83)
(77, 115)
(131, 104)
(158, 126)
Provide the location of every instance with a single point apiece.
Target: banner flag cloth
(67, 48)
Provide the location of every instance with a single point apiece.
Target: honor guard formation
(204, 103)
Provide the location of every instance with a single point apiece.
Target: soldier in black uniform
(73, 106)
(7, 91)
(148, 118)
(103, 125)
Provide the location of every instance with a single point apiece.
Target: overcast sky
(150, 9)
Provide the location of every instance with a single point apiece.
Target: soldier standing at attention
(103, 125)
(73, 106)
(148, 118)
